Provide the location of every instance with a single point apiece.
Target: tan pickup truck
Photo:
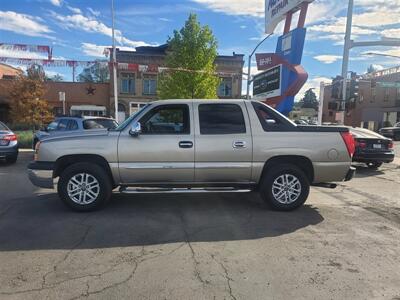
(196, 146)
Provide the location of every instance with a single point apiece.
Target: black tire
(12, 159)
(267, 192)
(374, 165)
(103, 192)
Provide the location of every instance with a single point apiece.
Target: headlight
(36, 155)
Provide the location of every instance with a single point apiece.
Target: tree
(193, 49)
(309, 100)
(96, 73)
(28, 105)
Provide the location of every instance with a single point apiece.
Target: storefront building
(137, 86)
(378, 103)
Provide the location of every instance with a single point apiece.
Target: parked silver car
(196, 146)
(8, 144)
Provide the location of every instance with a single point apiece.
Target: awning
(88, 108)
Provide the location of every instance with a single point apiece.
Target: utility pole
(346, 54)
(321, 102)
(114, 63)
(249, 80)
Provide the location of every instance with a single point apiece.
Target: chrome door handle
(239, 144)
(185, 144)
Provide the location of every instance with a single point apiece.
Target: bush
(24, 138)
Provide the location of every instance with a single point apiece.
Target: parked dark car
(67, 125)
(8, 144)
(372, 148)
(391, 132)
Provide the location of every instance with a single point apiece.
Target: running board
(127, 190)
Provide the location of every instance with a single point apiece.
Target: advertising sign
(268, 83)
(276, 10)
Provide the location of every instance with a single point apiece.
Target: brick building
(378, 104)
(81, 98)
(136, 87)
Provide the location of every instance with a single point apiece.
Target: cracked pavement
(343, 244)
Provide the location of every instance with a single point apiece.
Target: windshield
(127, 121)
(99, 124)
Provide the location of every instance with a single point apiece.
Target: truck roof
(174, 101)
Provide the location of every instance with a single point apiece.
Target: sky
(81, 29)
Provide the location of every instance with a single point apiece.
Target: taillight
(10, 137)
(36, 154)
(390, 145)
(349, 141)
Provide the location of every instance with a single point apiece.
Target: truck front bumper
(41, 174)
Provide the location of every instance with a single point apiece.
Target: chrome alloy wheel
(286, 189)
(83, 188)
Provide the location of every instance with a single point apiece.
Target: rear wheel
(285, 187)
(84, 187)
(12, 159)
(374, 165)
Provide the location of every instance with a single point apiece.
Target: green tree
(27, 97)
(193, 49)
(309, 100)
(96, 73)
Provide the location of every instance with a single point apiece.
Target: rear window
(99, 124)
(270, 119)
(221, 119)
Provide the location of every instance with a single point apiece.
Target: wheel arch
(302, 162)
(64, 161)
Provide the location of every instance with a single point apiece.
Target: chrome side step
(128, 190)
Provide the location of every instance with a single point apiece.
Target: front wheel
(84, 187)
(285, 187)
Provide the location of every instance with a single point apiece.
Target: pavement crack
(228, 279)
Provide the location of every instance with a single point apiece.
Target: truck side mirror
(136, 129)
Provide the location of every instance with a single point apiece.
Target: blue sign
(290, 47)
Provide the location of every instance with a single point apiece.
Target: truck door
(164, 151)
(223, 151)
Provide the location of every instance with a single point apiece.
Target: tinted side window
(72, 125)
(62, 125)
(166, 119)
(221, 119)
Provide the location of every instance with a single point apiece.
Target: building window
(135, 106)
(373, 95)
(386, 97)
(225, 88)
(128, 83)
(149, 86)
(57, 111)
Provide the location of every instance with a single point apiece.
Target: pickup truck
(196, 146)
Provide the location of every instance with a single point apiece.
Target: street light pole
(114, 63)
(249, 66)
(346, 54)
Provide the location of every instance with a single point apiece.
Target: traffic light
(337, 87)
(354, 86)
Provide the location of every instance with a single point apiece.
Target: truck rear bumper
(350, 174)
(41, 174)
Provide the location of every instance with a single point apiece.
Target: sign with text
(276, 10)
(268, 84)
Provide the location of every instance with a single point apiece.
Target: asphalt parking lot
(342, 244)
